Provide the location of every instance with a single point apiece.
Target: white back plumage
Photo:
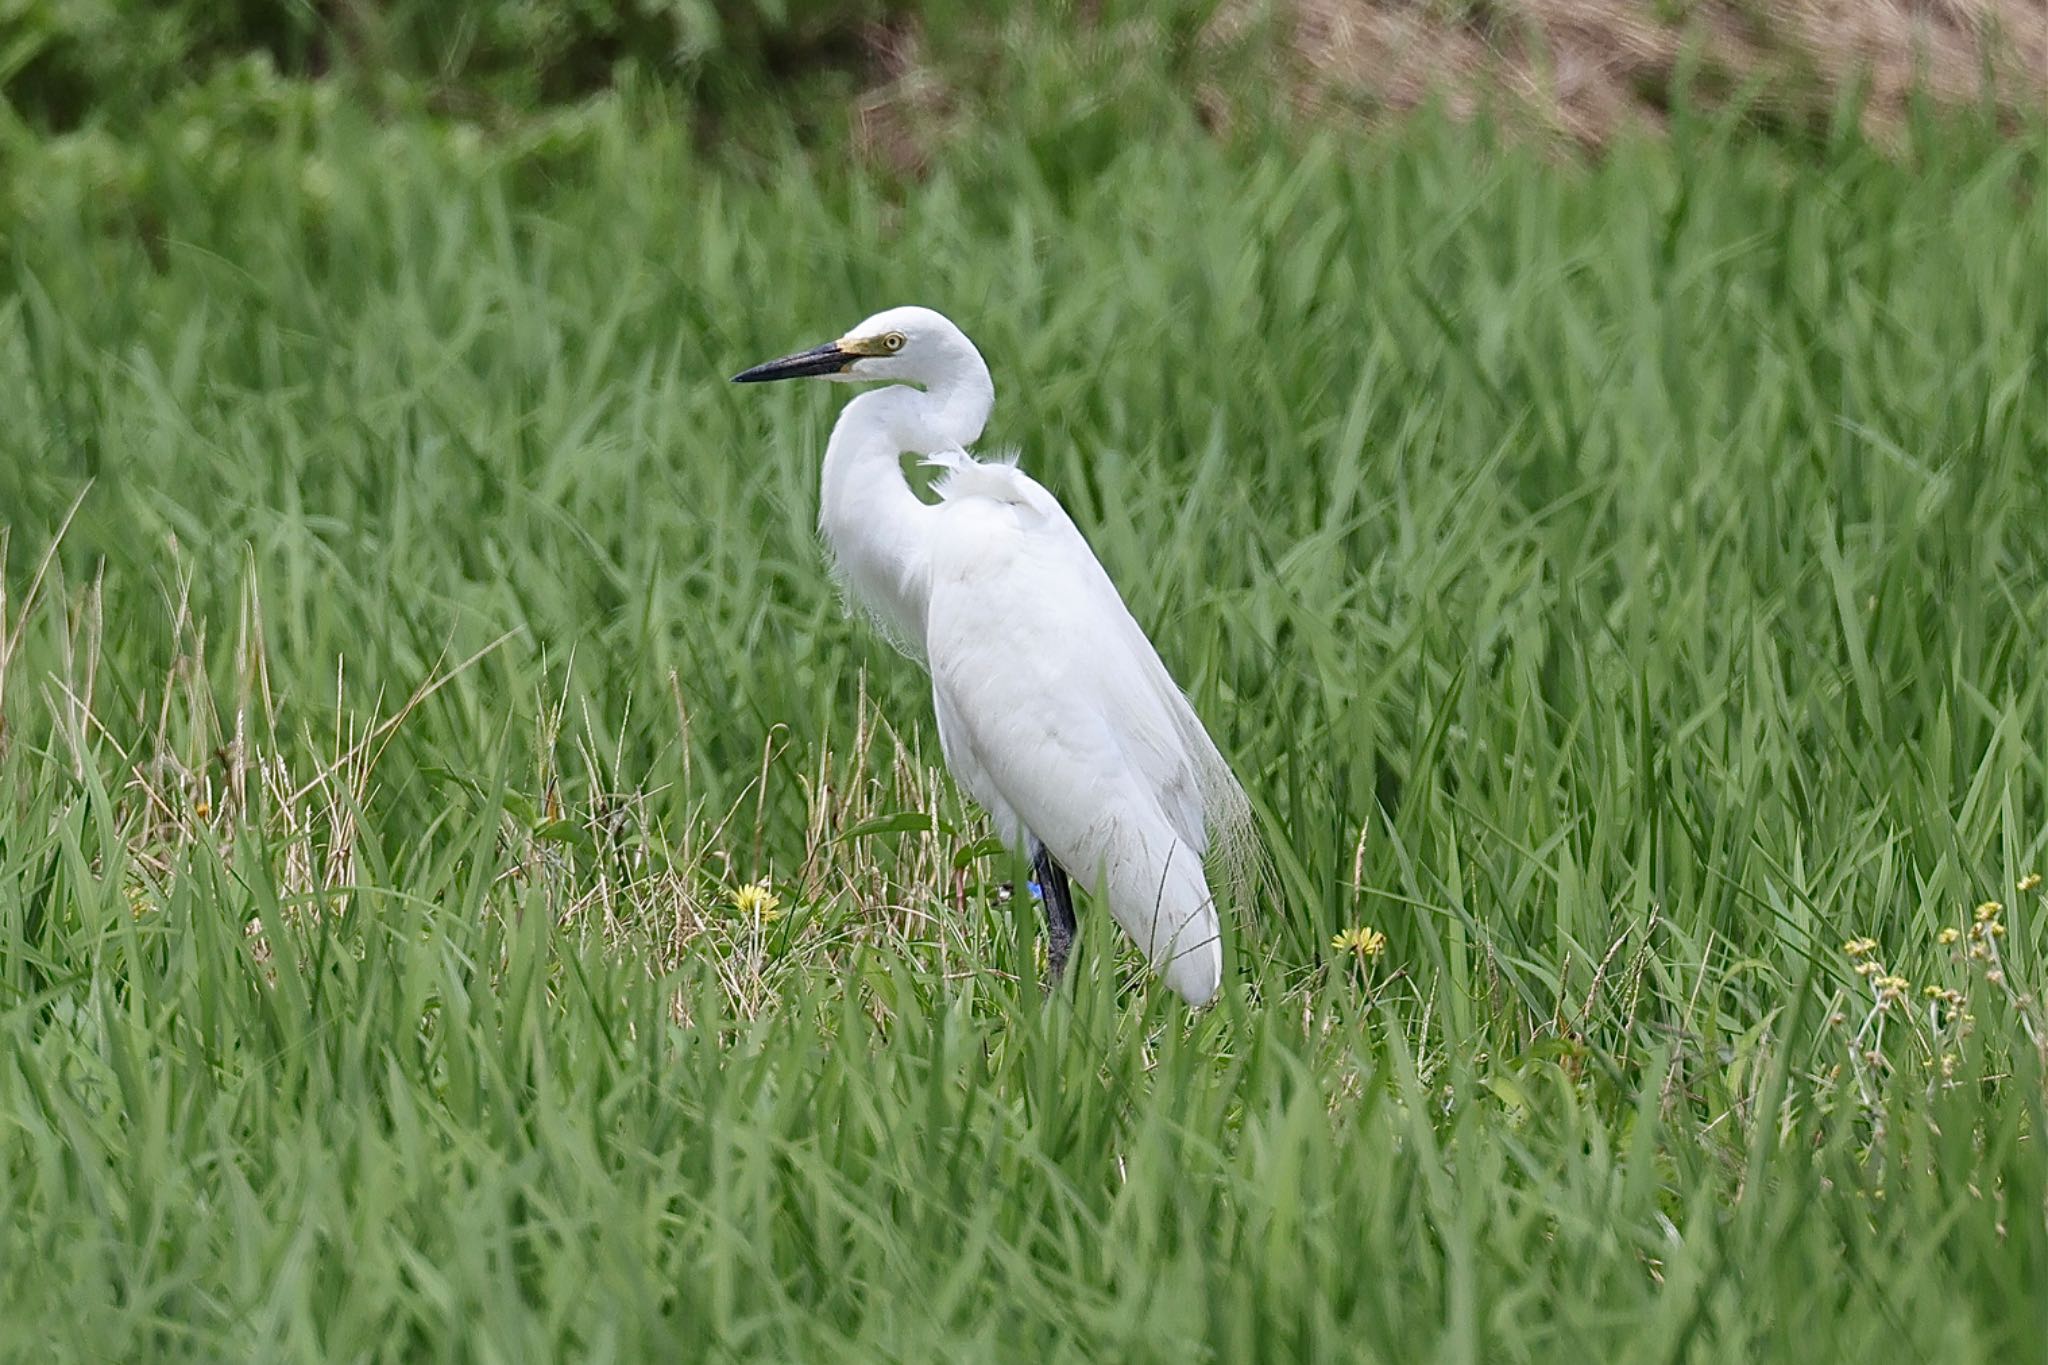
(1058, 716)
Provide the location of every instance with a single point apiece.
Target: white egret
(1055, 712)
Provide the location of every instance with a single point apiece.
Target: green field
(1621, 582)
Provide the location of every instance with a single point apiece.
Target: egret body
(1054, 711)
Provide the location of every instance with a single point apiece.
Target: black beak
(826, 359)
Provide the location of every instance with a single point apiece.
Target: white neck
(873, 524)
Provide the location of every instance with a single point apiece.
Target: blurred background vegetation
(897, 74)
(68, 62)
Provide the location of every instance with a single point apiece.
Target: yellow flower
(1989, 910)
(1366, 942)
(2030, 881)
(758, 900)
(1868, 968)
(1894, 984)
(1858, 947)
(1931, 992)
(1948, 935)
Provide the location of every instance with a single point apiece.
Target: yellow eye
(894, 341)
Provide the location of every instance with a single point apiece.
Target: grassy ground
(1620, 585)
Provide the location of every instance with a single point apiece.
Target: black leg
(1059, 910)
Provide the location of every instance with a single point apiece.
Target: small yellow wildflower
(758, 900)
(2030, 881)
(1860, 947)
(1869, 968)
(1931, 992)
(1366, 942)
(1948, 935)
(1989, 910)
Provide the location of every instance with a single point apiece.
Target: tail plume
(1157, 892)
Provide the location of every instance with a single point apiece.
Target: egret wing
(1057, 714)
(1006, 543)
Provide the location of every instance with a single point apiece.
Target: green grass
(1620, 584)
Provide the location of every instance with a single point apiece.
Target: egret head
(909, 345)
